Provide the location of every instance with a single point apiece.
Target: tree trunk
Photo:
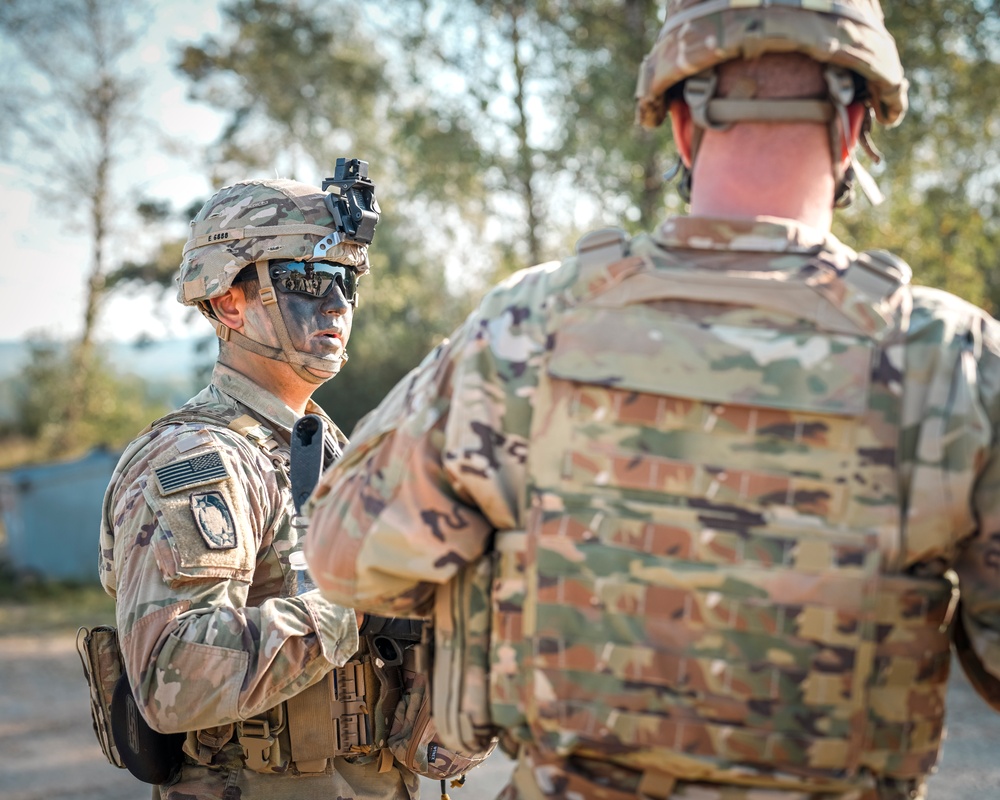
(525, 153)
(639, 19)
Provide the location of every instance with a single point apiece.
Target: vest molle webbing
(714, 523)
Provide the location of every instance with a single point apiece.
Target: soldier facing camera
(223, 642)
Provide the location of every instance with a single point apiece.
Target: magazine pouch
(102, 667)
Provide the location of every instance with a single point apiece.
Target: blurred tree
(547, 86)
(608, 155)
(576, 68)
(110, 410)
(160, 266)
(498, 131)
(941, 174)
(64, 71)
(313, 86)
(492, 62)
(298, 81)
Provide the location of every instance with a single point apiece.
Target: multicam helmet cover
(259, 221)
(701, 34)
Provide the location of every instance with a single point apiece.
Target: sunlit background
(498, 131)
(43, 227)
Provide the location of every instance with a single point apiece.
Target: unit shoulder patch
(214, 520)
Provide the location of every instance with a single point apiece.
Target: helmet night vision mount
(351, 200)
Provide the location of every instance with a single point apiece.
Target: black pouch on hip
(151, 756)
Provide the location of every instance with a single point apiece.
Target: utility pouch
(102, 668)
(125, 737)
(460, 683)
(442, 728)
(150, 756)
(414, 739)
(337, 716)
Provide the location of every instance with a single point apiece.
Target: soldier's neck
(765, 170)
(275, 377)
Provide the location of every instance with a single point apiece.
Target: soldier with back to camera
(221, 639)
(703, 492)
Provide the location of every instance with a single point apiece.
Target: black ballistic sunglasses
(313, 278)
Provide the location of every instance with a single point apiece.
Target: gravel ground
(49, 751)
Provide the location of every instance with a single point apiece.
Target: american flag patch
(196, 471)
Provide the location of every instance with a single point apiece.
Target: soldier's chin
(320, 373)
(335, 362)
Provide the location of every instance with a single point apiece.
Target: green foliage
(160, 269)
(295, 79)
(608, 156)
(547, 89)
(942, 170)
(499, 131)
(47, 407)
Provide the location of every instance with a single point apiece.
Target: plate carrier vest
(711, 571)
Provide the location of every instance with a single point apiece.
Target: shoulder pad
(887, 263)
(601, 248)
(878, 274)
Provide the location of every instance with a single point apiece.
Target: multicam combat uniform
(195, 545)
(725, 482)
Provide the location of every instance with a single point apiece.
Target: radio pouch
(414, 738)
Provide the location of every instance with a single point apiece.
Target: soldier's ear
(681, 125)
(856, 113)
(230, 308)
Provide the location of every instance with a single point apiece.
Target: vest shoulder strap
(601, 248)
(878, 274)
(245, 425)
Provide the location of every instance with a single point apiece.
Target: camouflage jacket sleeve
(207, 639)
(438, 466)
(951, 467)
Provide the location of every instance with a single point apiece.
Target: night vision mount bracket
(351, 200)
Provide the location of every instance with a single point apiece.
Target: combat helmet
(849, 36)
(248, 224)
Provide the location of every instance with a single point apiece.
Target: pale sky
(35, 243)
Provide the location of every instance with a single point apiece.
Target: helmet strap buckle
(840, 85)
(267, 296)
(698, 92)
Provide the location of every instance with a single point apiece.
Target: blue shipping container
(52, 515)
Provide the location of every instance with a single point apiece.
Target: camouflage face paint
(319, 326)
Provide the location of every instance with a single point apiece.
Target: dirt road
(48, 751)
(47, 746)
